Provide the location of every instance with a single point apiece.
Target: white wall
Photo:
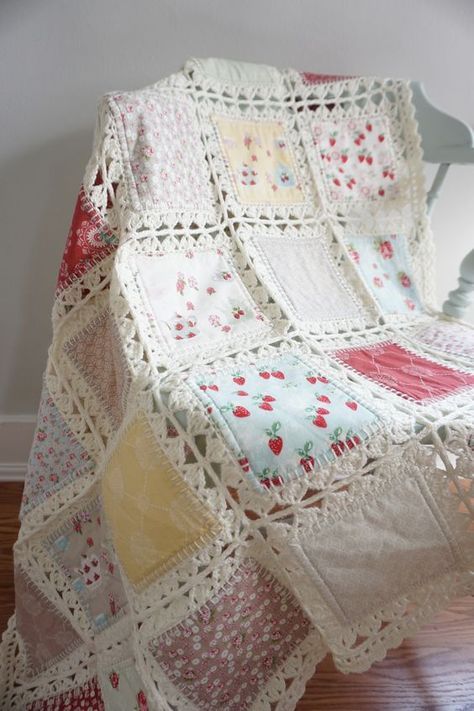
(57, 58)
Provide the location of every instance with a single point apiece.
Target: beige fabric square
(379, 550)
(260, 161)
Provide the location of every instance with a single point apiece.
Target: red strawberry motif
(114, 679)
(278, 374)
(319, 421)
(369, 159)
(381, 192)
(337, 445)
(323, 379)
(368, 126)
(239, 411)
(142, 701)
(203, 387)
(264, 374)
(337, 182)
(241, 393)
(244, 463)
(323, 398)
(275, 442)
(352, 439)
(306, 461)
(268, 398)
(386, 249)
(351, 404)
(404, 279)
(311, 378)
(238, 379)
(332, 140)
(344, 157)
(381, 137)
(265, 406)
(214, 387)
(270, 478)
(322, 411)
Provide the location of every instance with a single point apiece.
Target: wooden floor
(433, 672)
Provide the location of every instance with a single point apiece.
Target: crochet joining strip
(255, 438)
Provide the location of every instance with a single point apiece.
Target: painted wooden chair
(446, 141)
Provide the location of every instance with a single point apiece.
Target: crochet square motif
(196, 297)
(166, 152)
(155, 518)
(224, 654)
(356, 159)
(406, 373)
(80, 549)
(260, 161)
(384, 265)
(283, 418)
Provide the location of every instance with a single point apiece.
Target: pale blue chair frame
(446, 141)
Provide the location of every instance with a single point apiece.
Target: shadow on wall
(48, 178)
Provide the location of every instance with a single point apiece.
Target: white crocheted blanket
(254, 443)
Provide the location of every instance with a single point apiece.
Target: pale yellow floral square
(260, 161)
(155, 518)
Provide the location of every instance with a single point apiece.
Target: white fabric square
(196, 297)
(299, 274)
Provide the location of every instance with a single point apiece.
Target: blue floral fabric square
(384, 264)
(282, 418)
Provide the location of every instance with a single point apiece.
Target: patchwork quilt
(255, 441)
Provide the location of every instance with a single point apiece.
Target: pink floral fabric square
(85, 698)
(405, 372)
(166, 151)
(357, 159)
(56, 456)
(223, 655)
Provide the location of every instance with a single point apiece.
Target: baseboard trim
(16, 435)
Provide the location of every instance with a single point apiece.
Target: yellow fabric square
(155, 518)
(260, 161)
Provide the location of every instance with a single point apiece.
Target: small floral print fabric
(155, 518)
(292, 265)
(283, 418)
(384, 265)
(56, 456)
(357, 160)
(82, 552)
(448, 336)
(89, 240)
(224, 654)
(405, 372)
(196, 297)
(97, 354)
(46, 634)
(260, 161)
(122, 689)
(166, 152)
(87, 697)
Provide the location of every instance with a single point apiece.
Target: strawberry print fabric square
(406, 373)
(448, 336)
(260, 161)
(88, 562)
(223, 655)
(96, 352)
(56, 456)
(283, 418)
(46, 634)
(307, 280)
(384, 265)
(356, 159)
(87, 697)
(166, 152)
(122, 688)
(197, 298)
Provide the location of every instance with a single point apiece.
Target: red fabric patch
(312, 78)
(89, 240)
(87, 697)
(416, 378)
